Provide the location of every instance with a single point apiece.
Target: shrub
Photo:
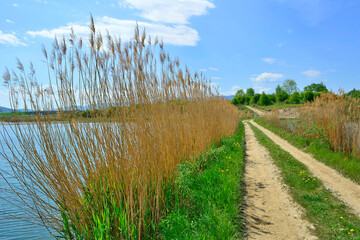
(264, 100)
(295, 98)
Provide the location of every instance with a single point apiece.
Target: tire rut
(345, 189)
(269, 210)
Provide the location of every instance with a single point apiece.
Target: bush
(282, 96)
(264, 100)
(295, 98)
(307, 96)
(255, 99)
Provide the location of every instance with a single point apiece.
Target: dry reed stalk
(147, 115)
(331, 117)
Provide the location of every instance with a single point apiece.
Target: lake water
(10, 227)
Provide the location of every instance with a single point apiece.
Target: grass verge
(278, 106)
(348, 166)
(332, 219)
(210, 194)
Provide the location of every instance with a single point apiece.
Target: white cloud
(169, 11)
(202, 69)
(232, 91)
(213, 69)
(267, 77)
(280, 44)
(262, 89)
(269, 60)
(215, 78)
(16, 5)
(175, 35)
(311, 73)
(9, 21)
(208, 69)
(10, 38)
(41, 1)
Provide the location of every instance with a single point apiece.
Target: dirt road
(270, 212)
(259, 112)
(345, 189)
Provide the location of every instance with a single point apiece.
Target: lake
(10, 227)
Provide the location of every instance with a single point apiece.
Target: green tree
(354, 93)
(295, 98)
(316, 87)
(240, 93)
(264, 100)
(255, 99)
(307, 96)
(282, 96)
(250, 92)
(278, 90)
(289, 86)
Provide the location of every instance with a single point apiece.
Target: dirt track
(270, 212)
(345, 189)
(259, 112)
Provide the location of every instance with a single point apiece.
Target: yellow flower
(222, 170)
(341, 217)
(352, 230)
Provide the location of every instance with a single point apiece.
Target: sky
(237, 44)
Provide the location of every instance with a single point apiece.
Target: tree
(289, 86)
(295, 98)
(240, 93)
(316, 87)
(250, 92)
(264, 100)
(354, 93)
(278, 90)
(282, 96)
(255, 99)
(307, 96)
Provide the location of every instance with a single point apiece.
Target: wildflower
(222, 170)
(351, 230)
(341, 217)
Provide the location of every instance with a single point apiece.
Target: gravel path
(269, 210)
(344, 188)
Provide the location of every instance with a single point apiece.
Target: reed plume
(130, 114)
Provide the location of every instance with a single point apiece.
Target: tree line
(287, 93)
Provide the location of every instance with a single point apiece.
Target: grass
(278, 106)
(348, 166)
(210, 194)
(331, 218)
(112, 178)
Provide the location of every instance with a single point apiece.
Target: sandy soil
(269, 210)
(257, 111)
(345, 189)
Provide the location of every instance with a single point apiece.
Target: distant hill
(230, 97)
(5, 110)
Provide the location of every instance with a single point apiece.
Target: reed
(110, 177)
(333, 118)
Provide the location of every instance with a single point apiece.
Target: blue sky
(238, 43)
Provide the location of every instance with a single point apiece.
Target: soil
(343, 188)
(269, 210)
(289, 112)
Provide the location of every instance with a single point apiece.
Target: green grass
(331, 218)
(278, 106)
(348, 166)
(210, 195)
(13, 114)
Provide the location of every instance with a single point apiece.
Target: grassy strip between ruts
(331, 218)
(346, 165)
(210, 194)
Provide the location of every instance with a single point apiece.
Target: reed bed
(331, 117)
(111, 177)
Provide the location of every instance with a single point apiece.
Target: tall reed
(110, 176)
(332, 117)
